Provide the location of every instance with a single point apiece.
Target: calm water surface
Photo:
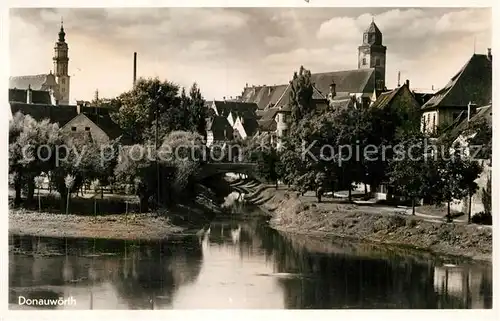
(241, 265)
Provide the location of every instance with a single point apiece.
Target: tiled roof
(263, 96)
(250, 125)
(385, 98)
(270, 113)
(103, 121)
(241, 109)
(62, 114)
(220, 128)
(267, 125)
(37, 96)
(461, 123)
(23, 82)
(348, 81)
(54, 113)
(471, 84)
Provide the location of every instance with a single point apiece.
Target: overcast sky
(223, 49)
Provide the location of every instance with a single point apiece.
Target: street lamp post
(156, 147)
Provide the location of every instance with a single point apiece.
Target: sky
(223, 49)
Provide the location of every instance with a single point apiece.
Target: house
(73, 119)
(475, 144)
(400, 97)
(218, 130)
(360, 82)
(239, 116)
(472, 84)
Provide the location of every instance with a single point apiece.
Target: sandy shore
(126, 227)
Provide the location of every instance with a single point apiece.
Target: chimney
(78, 109)
(489, 54)
(224, 98)
(407, 83)
(399, 78)
(270, 89)
(135, 67)
(471, 110)
(29, 95)
(333, 89)
(432, 87)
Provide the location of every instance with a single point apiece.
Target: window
(364, 62)
(62, 89)
(377, 62)
(284, 132)
(87, 129)
(433, 122)
(366, 38)
(73, 129)
(63, 81)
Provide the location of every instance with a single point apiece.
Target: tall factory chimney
(135, 67)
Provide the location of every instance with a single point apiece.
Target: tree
(413, 172)
(140, 106)
(301, 93)
(197, 111)
(457, 175)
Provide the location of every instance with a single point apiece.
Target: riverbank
(180, 221)
(372, 223)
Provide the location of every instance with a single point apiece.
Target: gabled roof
(37, 96)
(220, 128)
(62, 114)
(54, 113)
(472, 83)
(269, 113)
(238, 109)
(23, 82)
(250, 125)
(348, 81)
(385, 98)
(104, 122)
(263, 96)
(267, 125)
(461, 124)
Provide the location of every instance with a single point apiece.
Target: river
(241, 265)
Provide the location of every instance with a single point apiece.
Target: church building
(57, 83)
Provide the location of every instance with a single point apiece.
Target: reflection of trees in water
(363, 276)
(140, 272)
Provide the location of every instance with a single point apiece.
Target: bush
(482, 218)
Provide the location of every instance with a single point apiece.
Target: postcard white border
(220, 315)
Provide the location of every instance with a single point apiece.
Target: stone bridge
(211, 169)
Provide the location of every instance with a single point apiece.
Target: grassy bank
(186, 218)
(380, 224)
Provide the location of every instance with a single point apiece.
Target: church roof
(23, 82)
(372, 28)
(37, 96)
(472, 83)
(348, 81)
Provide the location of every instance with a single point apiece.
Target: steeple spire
(62, 34)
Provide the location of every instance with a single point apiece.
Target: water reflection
(242, 265)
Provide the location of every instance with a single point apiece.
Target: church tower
(372, 54)
(61, 67)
